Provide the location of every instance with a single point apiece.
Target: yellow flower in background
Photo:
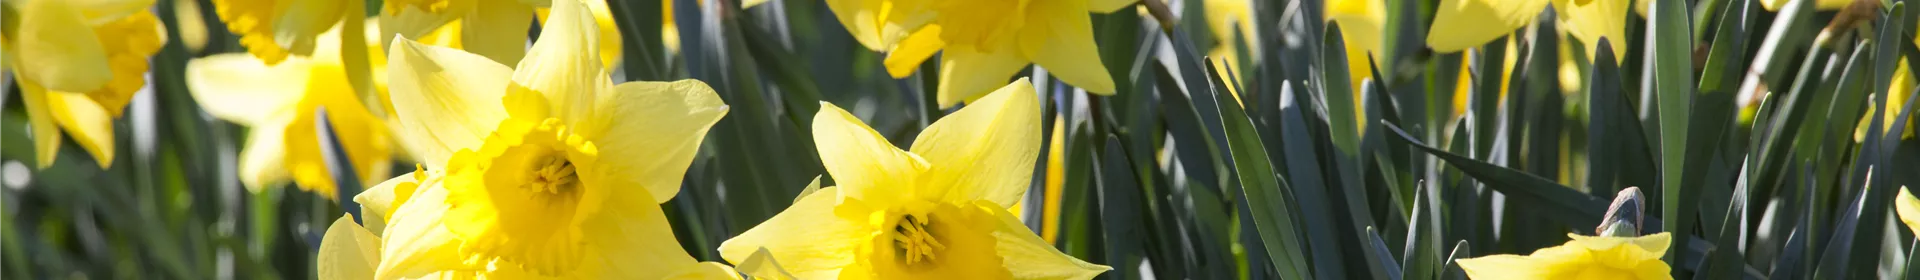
(1223, 17)
(496, 29)
(278, 102)
(1463, 24)
(1908, 208)
(937, 212)
(1585, 257)
(515, 183)
(1822, 5)
(275, 29)
(985, 42)
(78, 64)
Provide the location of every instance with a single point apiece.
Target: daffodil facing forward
(937, 212)
(78, 64)
(547, 170)
(985, 42)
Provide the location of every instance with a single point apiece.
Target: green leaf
(1673, 79)
(1267, 195)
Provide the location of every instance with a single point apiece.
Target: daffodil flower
(985, 42)
(939, 211)
(495, 29)
(274, 29)
(1463, 24)
(515, 183)
(279, 101)
(1908, 208)
(78, 64)
(1585, 257)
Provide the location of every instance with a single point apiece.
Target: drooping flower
(939, 211)
(1464, 24)
(279, 102)
(1585, 257)
(275, 29)
(515, 183)
(496, 29)
(984, 42)
(78, 64)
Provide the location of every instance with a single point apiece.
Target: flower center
(914, 241)
(554, 175)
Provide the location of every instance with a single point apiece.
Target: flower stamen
(915, 240)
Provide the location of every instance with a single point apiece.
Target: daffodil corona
(1586, 257)
(78, 64)
(937, 212)
(520, 177)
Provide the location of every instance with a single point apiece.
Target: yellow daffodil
(1223, 17)
(937, 212)
(496, 29)
(1361, 24)
(1585, 257)
(279, 102)
(275, 29)
(78, 64)
(985, 42)
(515, 183)
(1908, 208)
(1463, 24)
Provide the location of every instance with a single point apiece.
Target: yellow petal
(1108, 6)
(1908, 208)
(416, 245)
(263, 159)
(1597, 19)
(1463, 24)
(46, 134)
(827, 246)
(242, 89)
(631, 239)
(86, 122)
(63, 53)
(1504, 267)
(865, 165)
(445, 99)
(1029, 257)
(497, 29)
(1066, 49)
(348, 251)
(300, 24)
(98, 11)
(913, 50)
(1056, 181)
(703, 270)
(360, 133)
(409, 21)
(878, 24)
(966, 74)
(382, 199)
(610, 54)
(985, 150)
(563, 64)
(662, 124)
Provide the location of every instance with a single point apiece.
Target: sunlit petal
(820, 253)
(967, 74)
(348, 251)
(445, 99)
(1064, 45)
(1463, 24)
(665, 121)
(985, 150)
(865, 165)
(242, 89)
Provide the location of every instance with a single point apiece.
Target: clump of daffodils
(936, 211)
